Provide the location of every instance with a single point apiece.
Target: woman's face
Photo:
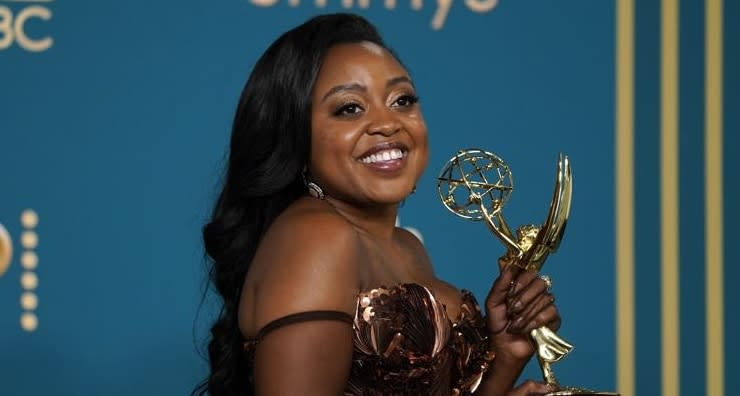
(368, 137)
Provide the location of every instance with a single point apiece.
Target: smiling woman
(368, 136)
(322, 293)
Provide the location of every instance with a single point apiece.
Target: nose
(384, 123)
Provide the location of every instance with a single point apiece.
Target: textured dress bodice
(404, 344)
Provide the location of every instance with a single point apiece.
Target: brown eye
(348, 109)
(406, 100)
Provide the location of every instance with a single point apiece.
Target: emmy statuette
(475, 185)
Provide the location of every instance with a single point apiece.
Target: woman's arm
(305, 263)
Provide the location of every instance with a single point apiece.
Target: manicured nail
(515, 308)
(517, 324)
(512, 288)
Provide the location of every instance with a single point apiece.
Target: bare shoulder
(415, 247)
(308, 260)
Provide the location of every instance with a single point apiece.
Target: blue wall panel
(115, 137)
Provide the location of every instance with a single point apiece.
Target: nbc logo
(15, 28)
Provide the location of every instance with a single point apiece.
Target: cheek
(320, 135)
(418, 131)
(331, 144)
(422, 141)
(318, 149)
(416, 125)
(321, 154)
(333, 141)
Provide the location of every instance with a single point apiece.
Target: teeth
(385, 155)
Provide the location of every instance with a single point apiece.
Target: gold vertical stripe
(713, 217)
(625, 213)
(669, 220)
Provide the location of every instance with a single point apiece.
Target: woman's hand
(530, 388)
(518, 303)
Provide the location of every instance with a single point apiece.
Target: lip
(388, 167)
(384, 146)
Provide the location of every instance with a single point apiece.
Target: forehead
(358, 62)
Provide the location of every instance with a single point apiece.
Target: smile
(383, 156)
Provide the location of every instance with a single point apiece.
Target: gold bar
(714, 234)
(625, 213)
(669, 195)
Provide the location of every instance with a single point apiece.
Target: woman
(323, 295)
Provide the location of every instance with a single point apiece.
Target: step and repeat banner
(115, 116)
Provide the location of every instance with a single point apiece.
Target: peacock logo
(29, 259)
(6, 250)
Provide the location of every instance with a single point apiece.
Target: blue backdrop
(114, 119)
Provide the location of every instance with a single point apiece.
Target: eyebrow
(359, 87)
(399, 80)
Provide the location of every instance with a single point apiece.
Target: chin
(394, 198)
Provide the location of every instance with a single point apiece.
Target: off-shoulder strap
(298, 318)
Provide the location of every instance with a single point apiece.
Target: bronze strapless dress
(404, 344)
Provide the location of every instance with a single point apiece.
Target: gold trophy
(475, 184)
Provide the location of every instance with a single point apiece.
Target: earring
(413, 190)
(313, 189)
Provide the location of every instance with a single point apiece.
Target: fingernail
(512, 288)
(508, 267)
(517, 324)
(515, 307)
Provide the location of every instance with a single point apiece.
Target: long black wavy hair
(270, 145)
